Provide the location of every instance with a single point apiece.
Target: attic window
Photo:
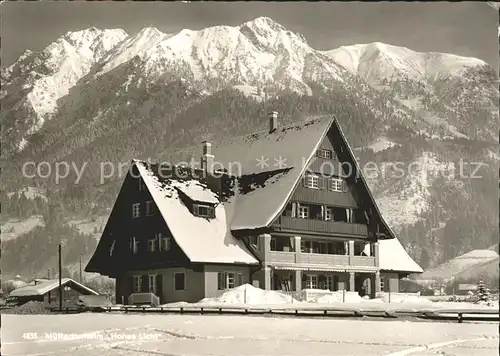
(205, 211)
(336, 185)
(324, 153)
(313, 181)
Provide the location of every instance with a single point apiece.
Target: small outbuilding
(47, 291)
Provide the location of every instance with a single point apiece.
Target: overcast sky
(466, 28)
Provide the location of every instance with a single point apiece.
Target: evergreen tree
(482, 292)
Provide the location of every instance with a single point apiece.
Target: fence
(460, 315)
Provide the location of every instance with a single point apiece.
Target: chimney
(273, 121)
(207, 159)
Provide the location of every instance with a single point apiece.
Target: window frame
(137, 287)
(136, 210)
(183, 282)
(312, 181)
(210, 211)
(324, 153)
(152, 286)
(337, 187)
(301, 210)
(229, 280)
(151, 245)
(329, 283)
(165, 243)
(150, 208)
(309, 281)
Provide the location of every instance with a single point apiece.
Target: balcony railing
(320, 259)
(331, 227)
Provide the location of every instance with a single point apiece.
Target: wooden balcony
(320, 259)
(286, 223)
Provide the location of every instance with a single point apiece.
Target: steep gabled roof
(201, 239)
(393, 257)
(45, 287)
(295, 145)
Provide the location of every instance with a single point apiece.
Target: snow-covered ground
(249, 296)
(197, 335)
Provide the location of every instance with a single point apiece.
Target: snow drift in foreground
(248, 294)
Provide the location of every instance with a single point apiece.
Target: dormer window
(323, 153)
(204, 211)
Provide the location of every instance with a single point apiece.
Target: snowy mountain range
(105, 95)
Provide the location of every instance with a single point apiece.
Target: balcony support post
(375, 249)
(297, 242)
(267, 278)
(377, 282)
(298, 281)
(352, 282)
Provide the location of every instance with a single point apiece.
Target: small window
(311, 181)
(137, 284)
(335, 184)
(323, 153)
(304, 212)
(165, 243)
(227, 280)
(328, 214)
(205, 211)
(179, 281)
(152, 283)
(311, 281)
(149, 208)
(329, 283)
(136, 210)
(152, 245)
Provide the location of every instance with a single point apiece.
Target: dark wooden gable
(122, 227)
(355, 193)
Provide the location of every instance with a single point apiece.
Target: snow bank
(248, 294)
(338, 297)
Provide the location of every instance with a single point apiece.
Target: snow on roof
(264, 159)
(201, 239)
(196, 191)
(44, 287)
(393, 257)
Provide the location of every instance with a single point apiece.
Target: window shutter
(195, 209)
(321, 183)
(294, 210)
(304, 180)
(298, 210)
(144, 283)
(344, 186)
(322, 212)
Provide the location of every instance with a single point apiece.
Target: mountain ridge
(151, 95)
